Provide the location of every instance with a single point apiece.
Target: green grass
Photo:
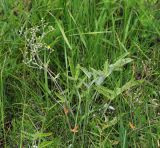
(80, 73)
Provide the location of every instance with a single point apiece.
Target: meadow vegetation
(80, 73)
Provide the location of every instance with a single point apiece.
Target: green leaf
(44, 144)
(105, 91)
(36, 135)
(110, 123)
(106, 68)
(41, 135)
(79, 30)
(63, 34)
(131, 84)
(87, 73)
(61, 97)
(119, 64)
(77, 72)
(112, 94)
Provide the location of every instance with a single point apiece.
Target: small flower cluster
(35, 45)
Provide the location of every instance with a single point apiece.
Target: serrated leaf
(105, 91)
(44, 144)
(41, 135)
(96, 72)
(36, 135)
(130, 84)
(111, 94)
(119, 64)
(87, 73)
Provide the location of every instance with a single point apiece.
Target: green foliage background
(105, 57)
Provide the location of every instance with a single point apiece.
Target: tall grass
(80, 73)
